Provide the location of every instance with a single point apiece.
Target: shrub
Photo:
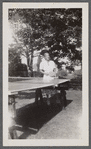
(62, 73)
(37, 74)
(70, 68)
(76, 81)
(78, 72)
(18, 69)
(21, 67)
(12, 69)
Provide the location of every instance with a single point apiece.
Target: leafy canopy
(58, 29)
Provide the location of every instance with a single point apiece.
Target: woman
(49, 70)
(48, 67)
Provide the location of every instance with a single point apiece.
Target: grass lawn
(53, 123)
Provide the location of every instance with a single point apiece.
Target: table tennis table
(30, 83)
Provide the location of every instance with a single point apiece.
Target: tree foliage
(59, 29)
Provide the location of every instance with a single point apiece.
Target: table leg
(37, 108)
(38, 94)
(63, 98)
(36, 97)
(12, 115)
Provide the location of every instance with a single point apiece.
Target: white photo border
(84, 141)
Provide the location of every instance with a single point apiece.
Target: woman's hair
(43, 52)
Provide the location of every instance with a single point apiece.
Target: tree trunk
(28, 61)
(38, 63)
(31, 64)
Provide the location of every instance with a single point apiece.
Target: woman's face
(47, 56)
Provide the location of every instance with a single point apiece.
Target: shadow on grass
(31, 117)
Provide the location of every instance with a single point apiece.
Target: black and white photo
(45, 74)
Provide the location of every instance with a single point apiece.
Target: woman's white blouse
(47, 66)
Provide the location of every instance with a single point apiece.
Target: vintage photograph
(45, 73)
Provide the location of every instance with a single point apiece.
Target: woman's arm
(53, 73)
(42, 71)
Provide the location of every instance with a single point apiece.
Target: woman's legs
(48, 93)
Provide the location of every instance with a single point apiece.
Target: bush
(12, 69)
(62, 73)
(37, 74)
(18, 69)
(78, 73)
(70, 68)
(76, 81)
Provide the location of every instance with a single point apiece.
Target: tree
(67, 37)
(59, 29)
(27, 35)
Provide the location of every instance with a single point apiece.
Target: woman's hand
(46, 73)
(52, 74)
